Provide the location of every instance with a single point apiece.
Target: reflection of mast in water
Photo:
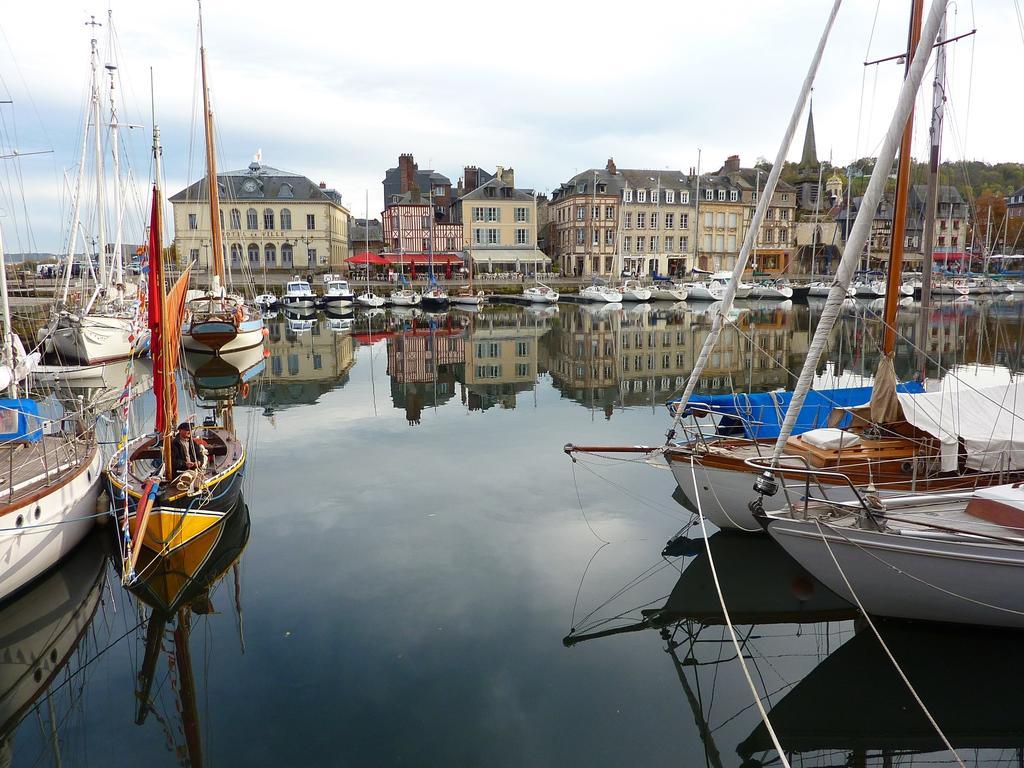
(177, 585)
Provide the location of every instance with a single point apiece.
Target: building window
(732, 221)
(654, 221)
(784, 236)
(270, 255)
(641, 195)
(785, 198)
(254, 253)
(193, 255)
(669, 243)
(236, 254)
(286, 219)
(192, 223)
(709, 194)
(731, 243)
(609, 236)
(640, 243)
(734, 196)
(627, 195)
(579, 236)
(286, 255)
(684, 243)
(310, 221)
(670, 195)
(596, 212)
(684, 221)
(521, 214)
(721, 195)
(311, 256)
(220, 214)
(627, 243)
(783, 214)
(579, 212)
(609, 212)
(268, 218)
(478, 236)
(628, 220)
(719, 243)
(520, 237)
(684, 197)
(251, 219)
(641, 220)
(493, 237)
(670, 220)
(707, 242)
(654, 244)
(236, 219)
(720, 220)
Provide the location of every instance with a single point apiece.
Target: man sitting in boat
(188, 456)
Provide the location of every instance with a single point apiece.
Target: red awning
(421, 259)
(366, 258)
(952, 256)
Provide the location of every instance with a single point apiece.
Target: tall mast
(696, 217)
(899, 206)
(76, 208)
(117, 265)
(211, 167)
(931, 197)
(8, 330)
(366, 231)
(101, 243)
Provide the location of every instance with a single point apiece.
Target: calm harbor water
(417, 546)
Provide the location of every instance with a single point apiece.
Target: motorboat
(298, 295)
(712, 290)
(370, 299)
(265, 301)
(405, 297)
(601, 293)
(742, 289)
(541, 294)
(778, 290)
(634, 290)
(337, 294)
(466, 298)
(667, 291)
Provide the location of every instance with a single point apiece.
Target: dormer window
(709, 194)
(286, 191)
(734, 196)
(627, 195)
(684, 197)
(641, 195)
(670, 195)
(721, 195)
(601, 189)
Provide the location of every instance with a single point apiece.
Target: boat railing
(809, 473)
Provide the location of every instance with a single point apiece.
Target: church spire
(809, 158)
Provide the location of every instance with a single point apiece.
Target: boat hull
(471, 301)
(222, 337)
(98, 339)
(370, 300)
(406, 300)
(906, 576)
(52, 525)
(298, 302)
(668, 294)
(724, 495)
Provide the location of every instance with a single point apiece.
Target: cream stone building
(270, 219)
(499, 226)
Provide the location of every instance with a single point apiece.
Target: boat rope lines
(650, 504)
(888, 653)
(732, 631)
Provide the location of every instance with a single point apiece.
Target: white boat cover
(990, 421)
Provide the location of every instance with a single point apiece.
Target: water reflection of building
(501, 357)
(609, 358)
(306, 360)
(423, 363)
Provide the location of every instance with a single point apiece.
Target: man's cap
(185, 425)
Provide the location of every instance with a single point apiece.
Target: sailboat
(157, 508)
(217, 321)
(368, 298)
(106, 324)
(465, 296)
(51, 479)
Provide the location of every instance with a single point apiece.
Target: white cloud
(337, 91)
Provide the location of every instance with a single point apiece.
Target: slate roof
(497, 185)
(267, 183)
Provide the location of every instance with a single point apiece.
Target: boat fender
(266, 333)
(244, 389)
(102, 505)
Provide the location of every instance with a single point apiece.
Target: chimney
(414, 194)
(732, 163)
(406, 173)
(610, 166)
(507, 176)
(470, 178)
(323, 185)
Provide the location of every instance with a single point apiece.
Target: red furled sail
(156, 290)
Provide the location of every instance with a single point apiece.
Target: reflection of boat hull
(50, 526)
(42, 627)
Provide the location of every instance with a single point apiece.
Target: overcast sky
(336, 91)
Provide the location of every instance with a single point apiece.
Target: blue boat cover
(760, 415)
(20, 421)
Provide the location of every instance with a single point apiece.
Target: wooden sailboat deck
(28, 470)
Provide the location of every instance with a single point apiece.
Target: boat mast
(76, 207)
(213, 192)
(117, 264)
(696, 218)
(101, 243)
(899, 206)
(931, 196)
(162, 372)
(366, 231)
(8, 329)
(861, 226)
